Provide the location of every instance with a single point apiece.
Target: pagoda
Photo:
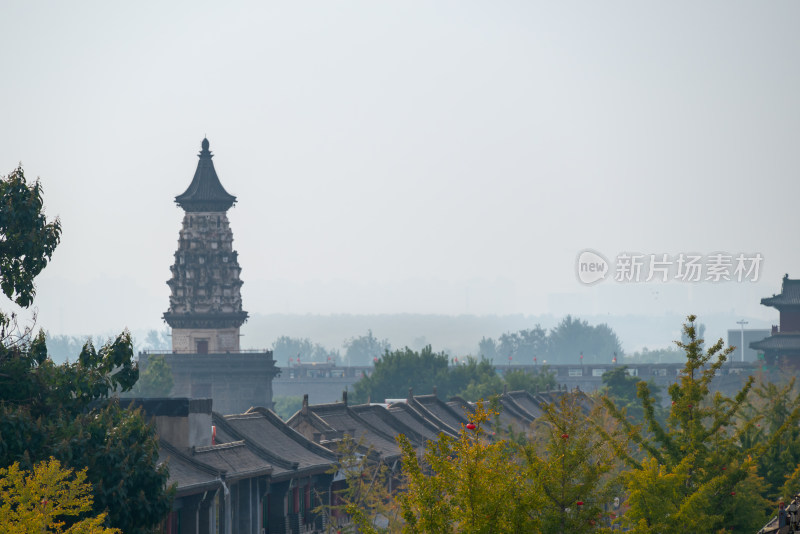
(783, 346)
(205, 304)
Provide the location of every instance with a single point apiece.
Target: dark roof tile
(205, 193)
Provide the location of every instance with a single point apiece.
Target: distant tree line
(565, 343)
(397, 371)
(63, 348)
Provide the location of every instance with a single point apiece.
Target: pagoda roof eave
(205, 192)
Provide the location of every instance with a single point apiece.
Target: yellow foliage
(37, 502)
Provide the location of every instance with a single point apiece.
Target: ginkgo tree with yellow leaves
(695, 473)
(479, 482)
(572, 466)
(51, 498)
(468, 484)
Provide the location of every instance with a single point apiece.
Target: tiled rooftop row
(253, 471)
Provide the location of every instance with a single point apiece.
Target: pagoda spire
(205, 193)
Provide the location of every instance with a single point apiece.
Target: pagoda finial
(205, 152)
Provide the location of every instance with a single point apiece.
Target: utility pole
(742, 323)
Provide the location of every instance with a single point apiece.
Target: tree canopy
(66, 411)
(397, 371)
(565, 343)
(363, 350)
(27, 239)
(695, 472)
(42, 500)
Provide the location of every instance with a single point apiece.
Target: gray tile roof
(264, 429)
(341, 418)
(515, 410)
(789, 295)
(461, 405)
(236, 459)
(787, 342)
(190, 475)
(450, 416)
(416, 421)
(526, 401)
(382, 419)
(205, 193)
(282, 467)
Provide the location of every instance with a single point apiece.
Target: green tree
(28, 238)
(770, 407)
(524, 346)
(287, 348)
(472, 379)
(364, 504)
(396, 372)
(155, 380)
(573, 337)
(690, 474)
(540, 380)
(468, 484)
(363, 350)
(487, 348)
(64, 410)
(622, 389)
(44, 499)
(571, 462)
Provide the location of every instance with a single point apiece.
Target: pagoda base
(236, 381)
(205, 340)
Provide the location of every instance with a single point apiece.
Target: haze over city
(430, 158)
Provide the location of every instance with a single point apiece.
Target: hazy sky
(434, 157)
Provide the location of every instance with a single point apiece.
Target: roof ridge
(420, 418)
(291, 433)
(327, 406)
(464, 403)
(316, 421)
(258, 449)
(366, 423)
(172, 449)
(414, 404)
(220, 446)
(387, 416)
(509, 402)
(439, 402)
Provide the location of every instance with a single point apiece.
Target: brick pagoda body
(205, 305)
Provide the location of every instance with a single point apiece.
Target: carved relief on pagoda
(205, 273)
